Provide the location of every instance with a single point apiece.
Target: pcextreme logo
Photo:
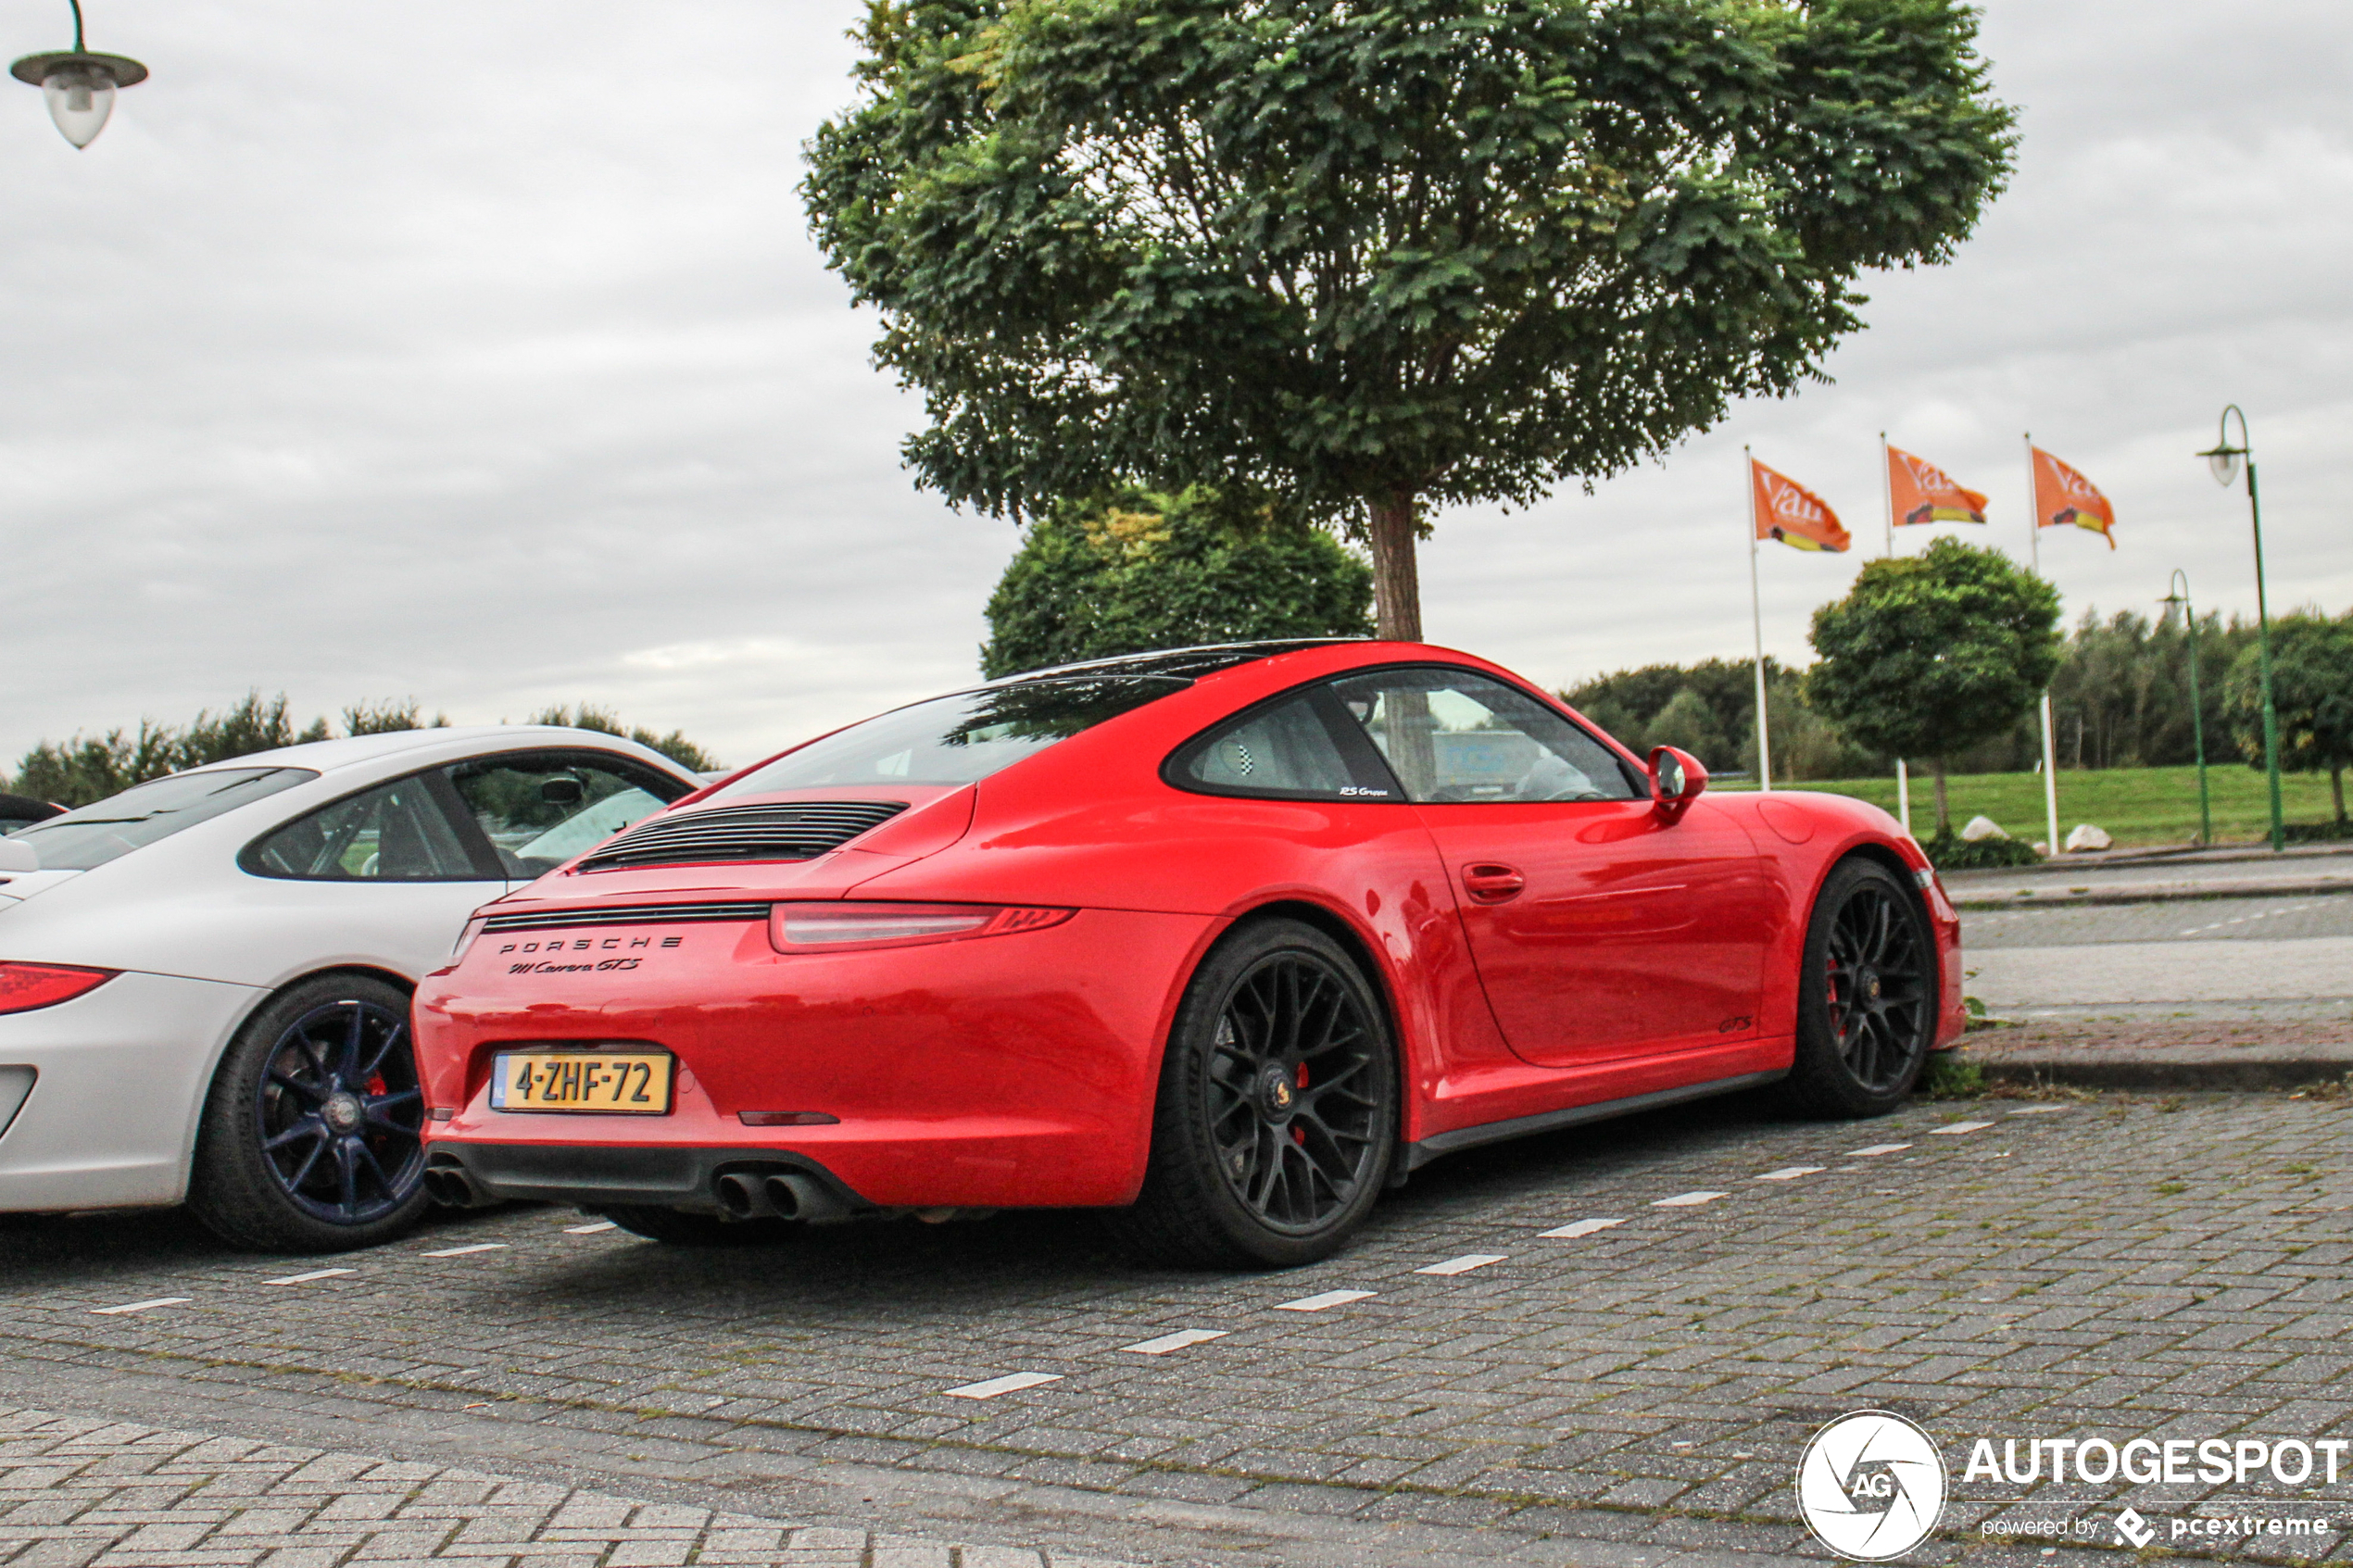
(1871, 1485)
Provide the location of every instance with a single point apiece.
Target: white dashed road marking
(306, 1279)
(141, 1306)
(1012, 1383)
(1464, 1264)
(590, 1229)
(1329, 1299)
(1877, 1148)
(1957, 1128)
(1791, 1173)
(2040, 1109)
(1576, 1228)
(1183, 1339)
(461, 1251)
(1688, 1199)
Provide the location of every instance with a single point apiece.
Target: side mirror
(560, 791)
(17, 856)
(1676, 776)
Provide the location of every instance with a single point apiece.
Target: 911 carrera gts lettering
(600, 967)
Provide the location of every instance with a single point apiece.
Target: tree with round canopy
(1372, 258)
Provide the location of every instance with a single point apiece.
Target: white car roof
(327, 755)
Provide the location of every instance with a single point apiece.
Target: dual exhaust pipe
(450, 1186)
(778, 1195)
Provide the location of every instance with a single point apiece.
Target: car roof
(1184, 664)
(326, 756)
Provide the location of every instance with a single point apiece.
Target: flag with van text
(2063, 497)
(1918, 491)
(1788, 511)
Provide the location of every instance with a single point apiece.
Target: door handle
(1489, 882)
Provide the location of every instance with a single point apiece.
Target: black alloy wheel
(1868, 995)
(313, 1134)
(1276, 1117)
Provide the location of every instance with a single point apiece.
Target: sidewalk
(2158, 1048)
(2144, 877)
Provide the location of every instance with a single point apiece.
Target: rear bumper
(603, 1176)
(116, 1080)
(1005, 1072)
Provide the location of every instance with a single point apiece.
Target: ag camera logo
(1872, 1486)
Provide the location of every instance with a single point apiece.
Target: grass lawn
(2135, 805)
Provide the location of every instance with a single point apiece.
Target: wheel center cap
(342, 1110)
(1277, 1093)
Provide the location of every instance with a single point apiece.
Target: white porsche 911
(205, 981)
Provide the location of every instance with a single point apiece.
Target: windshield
(954, 740)
(94, 834)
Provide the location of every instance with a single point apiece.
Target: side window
(396, 832)
(539, 808)
(1287, 750)
(1453, 736)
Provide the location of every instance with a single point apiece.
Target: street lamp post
(2224, 460)
(80, 85)
(2178, 592)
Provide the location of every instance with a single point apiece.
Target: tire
(1867, 996)
(676, 1227)
(310, 1138)
(1250, 1167)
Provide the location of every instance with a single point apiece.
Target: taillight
(830, 925)
(24, 986)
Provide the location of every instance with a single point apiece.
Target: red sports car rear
(1225, 939)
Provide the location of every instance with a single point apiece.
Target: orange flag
(2062, 495)
(1786, 511)
(1918, 491)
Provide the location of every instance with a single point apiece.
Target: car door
(1603, 927)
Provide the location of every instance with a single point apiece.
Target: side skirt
(1420, 1154)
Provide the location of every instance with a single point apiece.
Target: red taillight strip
(25, 986)
(820, 925)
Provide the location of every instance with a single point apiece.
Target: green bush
(1948, 852)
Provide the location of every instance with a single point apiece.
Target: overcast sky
(477, 352)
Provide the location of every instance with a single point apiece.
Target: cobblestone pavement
(1633, 1388)
(83, 1491)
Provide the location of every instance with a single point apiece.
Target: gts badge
(1736, 1026)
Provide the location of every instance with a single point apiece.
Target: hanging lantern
(80, 85)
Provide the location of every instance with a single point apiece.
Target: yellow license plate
(630, 1083)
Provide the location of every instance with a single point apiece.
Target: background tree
(674, 746)
(1928, 655)
(1143, 570)
(87, 769)
(2312, 684)
(1373, 257)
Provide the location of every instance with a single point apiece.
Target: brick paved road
(1637, 1394)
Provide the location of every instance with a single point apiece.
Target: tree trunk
(1397, 583)
(1943, 812)
(2336, 788)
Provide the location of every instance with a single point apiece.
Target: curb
(2207, 1073)
(2175, 894)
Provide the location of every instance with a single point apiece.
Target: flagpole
(1757, 623)
(2034, 554)
(1887, 502)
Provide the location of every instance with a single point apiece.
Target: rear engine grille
(800, 831)
(626, 914)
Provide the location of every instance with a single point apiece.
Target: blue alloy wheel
(340, 1113)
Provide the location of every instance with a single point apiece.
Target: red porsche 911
(1225, 940)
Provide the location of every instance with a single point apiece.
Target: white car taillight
(24, 986)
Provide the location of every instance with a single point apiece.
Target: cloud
(479, 353)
